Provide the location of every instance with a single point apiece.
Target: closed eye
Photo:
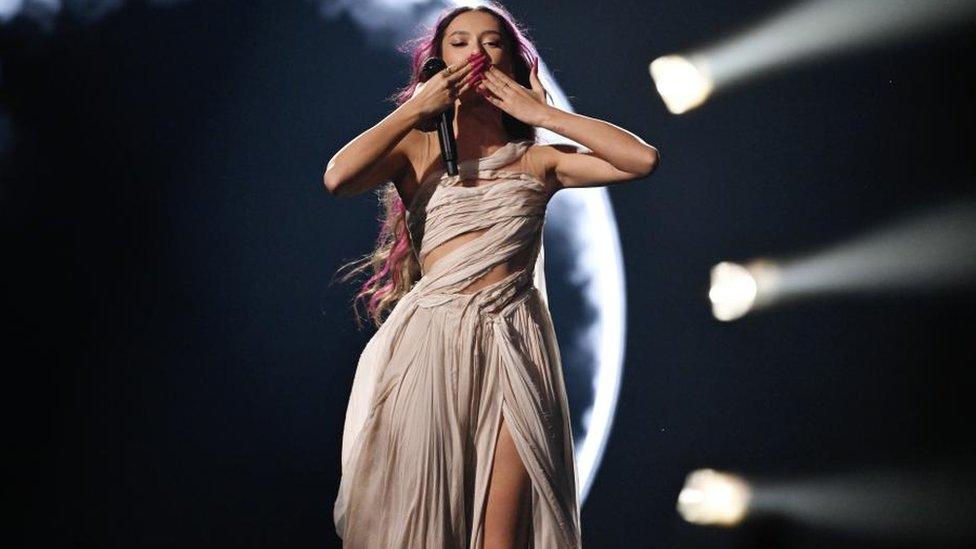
(493, 44)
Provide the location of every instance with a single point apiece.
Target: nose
(478, 53)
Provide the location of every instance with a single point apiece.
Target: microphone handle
(444, 121)
(445, 134)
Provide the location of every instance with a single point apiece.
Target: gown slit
(526, 505)
(450, 361)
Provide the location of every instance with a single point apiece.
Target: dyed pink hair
(394, 266)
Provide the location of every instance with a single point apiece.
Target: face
(475, 31)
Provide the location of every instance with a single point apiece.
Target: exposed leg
(508, 509)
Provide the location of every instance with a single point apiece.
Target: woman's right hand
(440, 91)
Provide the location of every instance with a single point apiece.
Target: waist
(495, 299)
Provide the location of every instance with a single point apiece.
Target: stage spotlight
(733, 291)
(930, 503)
(927, 503)
(803, 32)
(712, 497)
(736, 289)
(932, 251)
(682, 83)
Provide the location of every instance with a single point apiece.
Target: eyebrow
(466, 32)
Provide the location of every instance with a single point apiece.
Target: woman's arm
(618, 155)
(379, 154)
(382, 153)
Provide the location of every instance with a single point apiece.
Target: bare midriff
(496, 273)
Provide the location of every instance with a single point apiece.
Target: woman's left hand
(527, 105)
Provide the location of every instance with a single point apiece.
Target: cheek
(450, 55)
(504, 64)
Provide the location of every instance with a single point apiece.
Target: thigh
(509, 495)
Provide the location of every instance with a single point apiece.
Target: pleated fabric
(433, 383)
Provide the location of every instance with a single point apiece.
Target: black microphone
(444, 121)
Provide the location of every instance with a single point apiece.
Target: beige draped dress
(432, 385)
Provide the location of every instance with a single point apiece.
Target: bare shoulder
(543, 160)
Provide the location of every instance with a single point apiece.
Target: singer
(457, 431)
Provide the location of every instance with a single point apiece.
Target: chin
(471, 97)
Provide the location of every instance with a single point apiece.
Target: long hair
(393, 265)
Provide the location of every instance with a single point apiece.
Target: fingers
(487, 85)
(452, 79)
(476, 74)
(461, 71)
(474, 78)
(536, 83)
(534, 74)
(464, 87)
(495, 81)
(499, 76)
(451, 72)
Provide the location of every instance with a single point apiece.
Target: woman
(457, 431)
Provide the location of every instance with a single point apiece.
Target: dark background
(178, 361)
